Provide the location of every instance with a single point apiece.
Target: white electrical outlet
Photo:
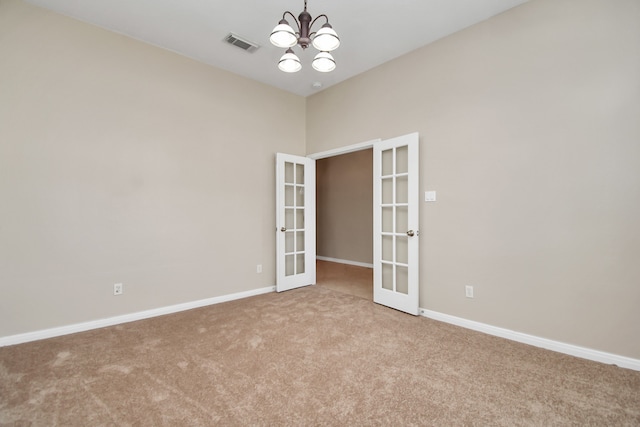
(468, 291)
(118, 289)
(259, 268)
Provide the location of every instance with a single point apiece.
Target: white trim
(344, 150)
(570, 349)
(344, 261)
(95, 324)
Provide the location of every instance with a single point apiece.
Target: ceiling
(371, 31)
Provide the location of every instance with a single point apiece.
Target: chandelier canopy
(325, 40)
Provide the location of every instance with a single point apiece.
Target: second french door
(395, 223)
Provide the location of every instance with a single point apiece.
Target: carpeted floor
(310, 356)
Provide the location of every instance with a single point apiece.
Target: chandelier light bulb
(290, 63)
(283, 35)
(326, 39)
(324, 62)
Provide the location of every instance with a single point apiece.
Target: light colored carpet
(310, 356)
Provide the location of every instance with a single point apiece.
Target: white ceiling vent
(242, 43)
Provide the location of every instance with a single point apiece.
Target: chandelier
(325, 40)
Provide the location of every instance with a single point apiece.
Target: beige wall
(122, 162)
(344, 195)
(530, 133)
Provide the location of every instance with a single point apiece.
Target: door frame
(367, 145)
(344, 150)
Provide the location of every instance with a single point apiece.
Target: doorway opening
(344, 223)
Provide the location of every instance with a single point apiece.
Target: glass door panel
(300, 220)
(387, 219)
(300, 196)
(387, 248)
(288, 173)
(402, 187)
(387, 277)
(402, 280)
(300, 174)
(289, 219)
(402, 219)
(402, 160)
(387, 191)
(387, 163)
(289, 265)
(300, 241)
(402, 250)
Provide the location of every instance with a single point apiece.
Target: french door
(395, 223)
(295, 222)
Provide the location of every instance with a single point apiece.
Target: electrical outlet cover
(468, 291)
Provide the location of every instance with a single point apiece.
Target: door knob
(283, 229)
(410, 233)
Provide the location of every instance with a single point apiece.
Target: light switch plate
(429, 196)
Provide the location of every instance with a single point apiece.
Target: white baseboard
(95, 324)
(344, 261)
(570, 349)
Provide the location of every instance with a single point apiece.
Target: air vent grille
(241, 42)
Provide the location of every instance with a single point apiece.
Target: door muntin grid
(394, 216)
(294, 219)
